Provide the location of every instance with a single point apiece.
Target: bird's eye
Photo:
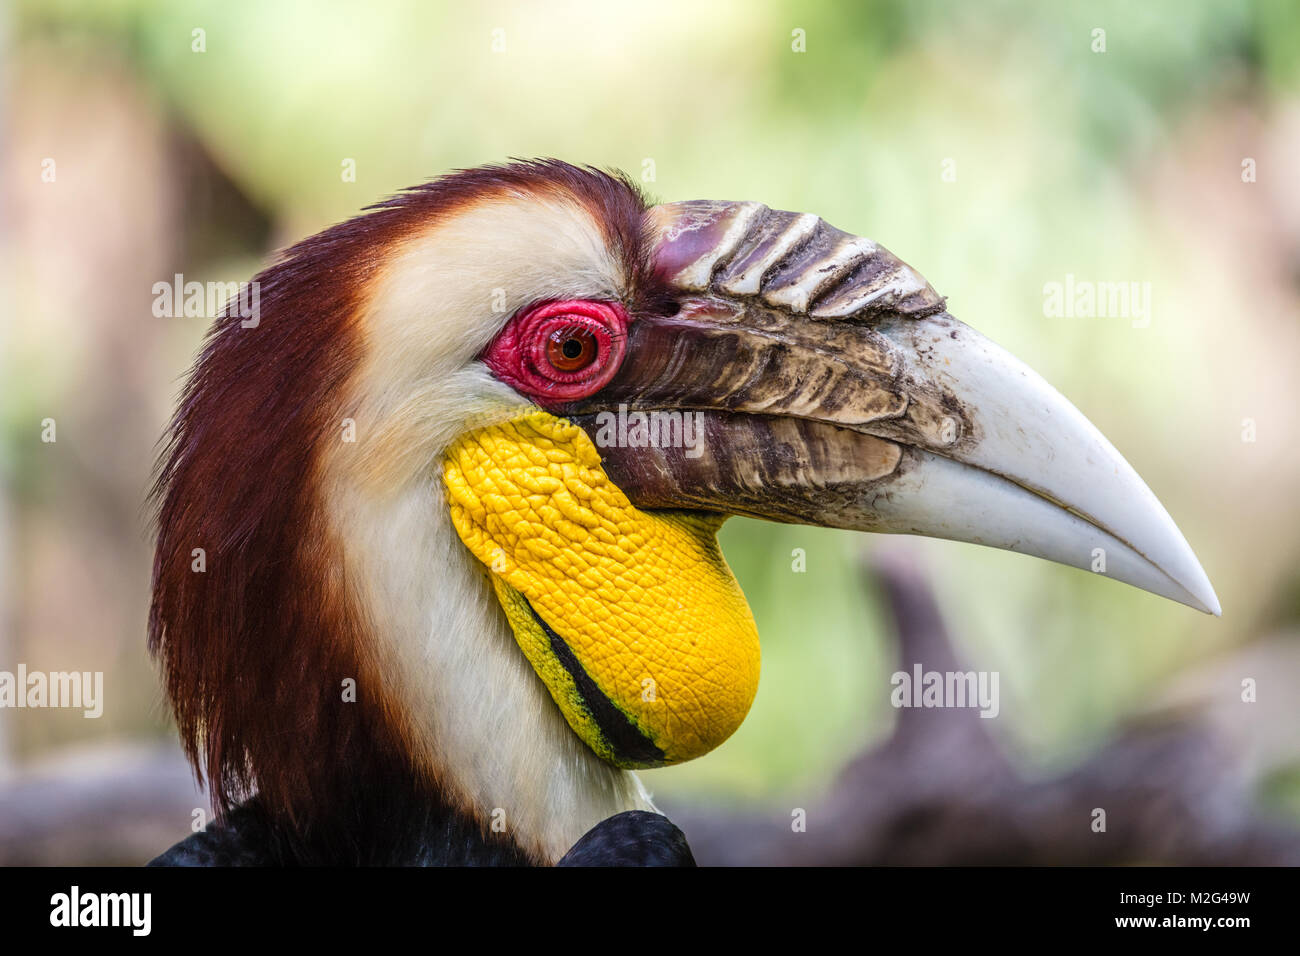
(556, 352)
(571, 349)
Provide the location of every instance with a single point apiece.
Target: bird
(457, 493)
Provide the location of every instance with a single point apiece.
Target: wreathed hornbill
(458, 490)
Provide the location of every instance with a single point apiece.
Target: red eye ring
(560, 351)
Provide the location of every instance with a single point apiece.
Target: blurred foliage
(1062, 157)
(1280, 791)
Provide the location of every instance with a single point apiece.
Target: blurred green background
(991, 145)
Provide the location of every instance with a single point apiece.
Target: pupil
(572, 348)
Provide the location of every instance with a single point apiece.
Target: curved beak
(812, 377)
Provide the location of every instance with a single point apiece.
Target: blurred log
(940, 791)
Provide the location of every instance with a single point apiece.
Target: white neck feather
(486, 722)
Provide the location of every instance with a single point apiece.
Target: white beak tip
(1210, 603)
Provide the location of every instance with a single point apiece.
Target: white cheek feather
(483, 720)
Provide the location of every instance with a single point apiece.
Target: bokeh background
(991, 145)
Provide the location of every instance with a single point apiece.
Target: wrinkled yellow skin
(644, 600)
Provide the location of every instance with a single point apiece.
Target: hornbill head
(473, 455)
